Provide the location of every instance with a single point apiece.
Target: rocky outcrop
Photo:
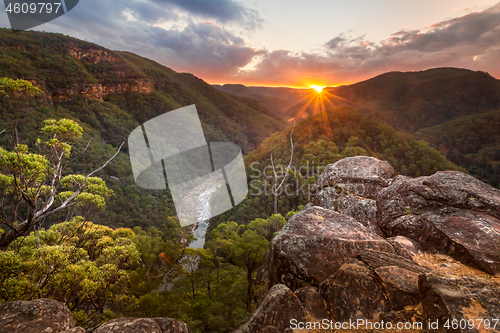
(315, 243)
(40, 315)
(91, 91)
(398, 250)
(361, 175)
(448, 212)
(94, 55)
(279, 307)
(400, 286)
(362, 210)
(123, 79)
(146, 325)
(50, 316)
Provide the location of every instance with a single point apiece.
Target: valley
(393, 196)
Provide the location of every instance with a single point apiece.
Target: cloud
(451, 43)
(222, 10)
(191, 44)
(206, 49)
(190, 35)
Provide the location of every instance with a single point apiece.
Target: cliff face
(375, 248)
(126, 80)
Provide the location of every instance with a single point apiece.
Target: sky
(289, 42)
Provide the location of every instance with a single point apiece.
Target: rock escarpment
(50, 316)
(388, 249)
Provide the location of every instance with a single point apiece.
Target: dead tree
(277, 187)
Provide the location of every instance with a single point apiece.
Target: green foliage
(33, 186)
(52, 264)
(65, 129)
(17, 89)
(472, 142)
(101, 273)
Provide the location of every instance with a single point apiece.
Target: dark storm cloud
(456, 42)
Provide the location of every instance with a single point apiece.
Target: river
(203, 205)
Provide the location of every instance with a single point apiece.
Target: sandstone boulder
(466, 301)
(143, 325)
(360, 175)
(313, 302)
(399, 285)
(40, 315)
(352, 293)
(361, 209)
(315, 243)
(448, 212)
(274, 314)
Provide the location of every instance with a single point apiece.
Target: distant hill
(406, 100)
(110, 93)
(472, 142)
(415, 100)
(275, 104)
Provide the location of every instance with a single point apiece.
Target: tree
(18, 93)
(245, 245)
(33, 186)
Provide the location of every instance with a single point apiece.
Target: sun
(319, 89)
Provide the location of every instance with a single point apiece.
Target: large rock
(274, 314)
(361, 209)
(352, 293)
(40, 315)
(143, 325)
(360, 175)
(315, 243)
(462, 301)
(448, 212)
(313, 302)
(400, 286)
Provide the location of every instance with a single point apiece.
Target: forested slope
(110, 93)
(472, 142)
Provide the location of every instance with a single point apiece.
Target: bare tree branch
(80, 154)
(276, 187)
(46, 211)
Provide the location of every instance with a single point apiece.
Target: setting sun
(319, 89)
